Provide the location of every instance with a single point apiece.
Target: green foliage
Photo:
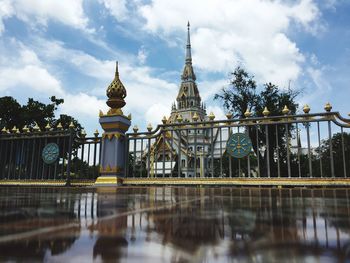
(242, 94)
(323, 155)
(13, 114)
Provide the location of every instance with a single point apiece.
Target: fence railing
(287, 146)
(73, 157)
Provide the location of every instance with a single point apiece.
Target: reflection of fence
(288, 146)
(21, 156)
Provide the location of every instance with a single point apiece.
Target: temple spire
(116, 69)
(188, 46)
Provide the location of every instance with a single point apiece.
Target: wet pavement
(174, 224)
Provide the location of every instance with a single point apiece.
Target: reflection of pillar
(115, 125)
(201, 164)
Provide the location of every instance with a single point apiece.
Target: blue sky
(69, 48)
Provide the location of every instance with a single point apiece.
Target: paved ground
(174, 224)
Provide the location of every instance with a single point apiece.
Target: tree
(13, 114)
(323, 153)
(242, 95)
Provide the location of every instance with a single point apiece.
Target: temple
(194, 143)
(188, 101)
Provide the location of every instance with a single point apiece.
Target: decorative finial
(211, 116)
(36, 128)
(229, 115)
(188, 46)
(149, 127)
(247, 113)
(25, 129)
(4, 130)
(285, 110)
(96, 133)
(71, 125)
(195, 116)
(328, 107)
(59, 126)
(135, 129)
(48, 127)
(266, 112)
(179, 118)
(116, 69)
(83, 134)
(164, 120)
(14, 129)
(116, 94)
(306, 109)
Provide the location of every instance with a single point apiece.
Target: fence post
(70, 144)
(113, 143)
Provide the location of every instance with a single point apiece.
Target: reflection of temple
(194, 223)
(178, 224)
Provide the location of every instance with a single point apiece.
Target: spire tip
(116, 68)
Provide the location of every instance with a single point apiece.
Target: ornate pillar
(114, 124)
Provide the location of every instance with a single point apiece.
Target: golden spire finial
(36, 128)
(179, 118)
(328, 107)
(116, 69)
(48, 127)
(164, 120)
(266, 112)
(285, 110)
(59, 126)
(116, 94)
(82, 133)
(195, 116)
(71, 125)
(306, 109)
(247, 113)
(211, 116)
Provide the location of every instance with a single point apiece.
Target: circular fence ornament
(239, 145)
(50, 153)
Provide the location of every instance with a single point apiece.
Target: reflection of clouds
(36, 211)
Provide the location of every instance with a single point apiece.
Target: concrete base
(108, 181)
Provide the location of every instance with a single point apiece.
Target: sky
(68, 49)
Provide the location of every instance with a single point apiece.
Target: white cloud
(25, 70)
(218, 112)
(30, 76)
(156, 112)
(145, 92)
(142, 55)
(117, 8)
(251, 31)
(82, 104)
(6, 10)
(67, 12)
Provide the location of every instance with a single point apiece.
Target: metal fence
(21, 156)
(287, 146)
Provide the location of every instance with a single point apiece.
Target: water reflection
(175, 224)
